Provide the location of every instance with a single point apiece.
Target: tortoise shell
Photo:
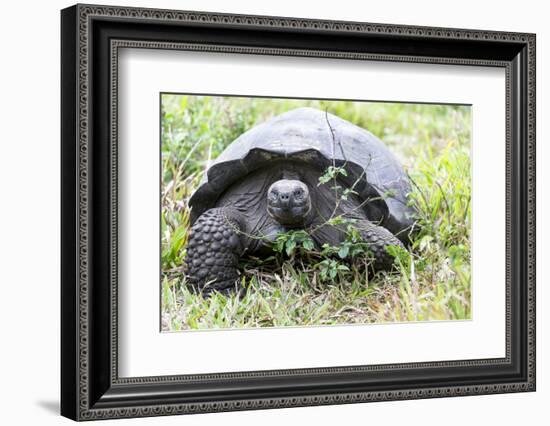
(320, 139)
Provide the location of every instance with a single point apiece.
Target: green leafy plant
(292, 241)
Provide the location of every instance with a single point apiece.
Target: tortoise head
(289, 202)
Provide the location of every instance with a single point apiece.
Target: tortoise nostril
(284, 196)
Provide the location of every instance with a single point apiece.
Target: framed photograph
(263, 212)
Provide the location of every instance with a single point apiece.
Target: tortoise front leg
(378, 239)
(213, 251)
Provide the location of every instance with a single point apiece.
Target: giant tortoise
(269, 180)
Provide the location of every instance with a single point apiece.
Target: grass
(431, 280)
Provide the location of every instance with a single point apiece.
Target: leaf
(308, 244)
(399, 253)
(336, 220)
(344, 251)
(290, 246)
(331, 173)
(279, 245)
(390, 193)
(323, 179)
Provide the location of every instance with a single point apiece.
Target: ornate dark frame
(91, 37)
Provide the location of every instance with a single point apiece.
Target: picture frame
(91, 37)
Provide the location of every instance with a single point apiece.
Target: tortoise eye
(298, 193)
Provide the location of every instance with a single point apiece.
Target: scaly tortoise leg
(213, 251)
(378, 239)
